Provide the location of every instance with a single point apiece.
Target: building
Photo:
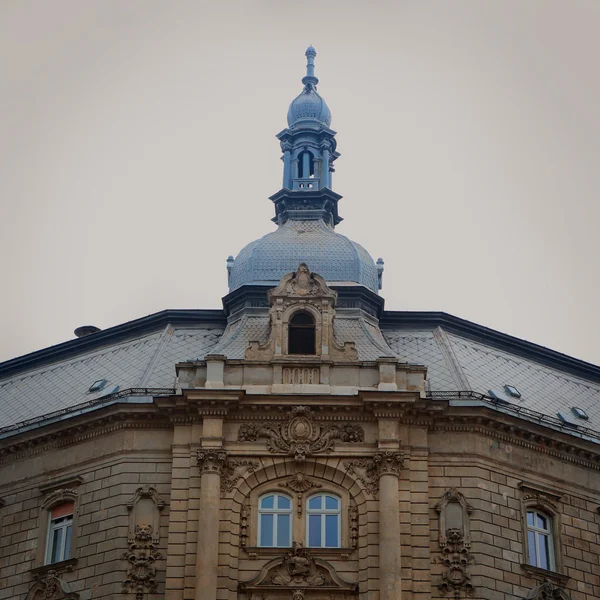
(302, 443)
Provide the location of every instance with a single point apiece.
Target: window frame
(538, 533)
(545, 501)
(323, 513)
(65, 522)
(276, 512)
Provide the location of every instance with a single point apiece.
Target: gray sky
(137, 151)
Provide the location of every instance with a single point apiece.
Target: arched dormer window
(306, 165)
(302, 334)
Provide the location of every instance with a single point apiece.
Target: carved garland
(300, 436)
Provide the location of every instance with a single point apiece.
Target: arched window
(540, 543)
(60, 529)
(323, 525)
(275, 521)
(301, 334)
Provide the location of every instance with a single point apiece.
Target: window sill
(331, 553)
(538, 572)
(64, 566)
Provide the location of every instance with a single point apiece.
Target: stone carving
(142, 554)
(233, 470)
(547, 591)
(455, 542)
(457, 558)
(144, 514)
(244, 521)
(301, 375)
(59, 497)
(298, 570)
(353, 517)
(50, 587)
(299, 483)
(308, 292)
(388, 463)
(300, 436)
(211, 460)
(369, 470)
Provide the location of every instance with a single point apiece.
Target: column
(287, 170)
(388, 465)
(325, 170)
(211, 462)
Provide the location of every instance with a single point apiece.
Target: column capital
(388, 462)
(211, 460)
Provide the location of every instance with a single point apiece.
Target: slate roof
(460, 357)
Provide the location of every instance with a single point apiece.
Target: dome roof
(309, 105)
(331, 255)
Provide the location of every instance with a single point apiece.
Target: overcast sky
(137, 152)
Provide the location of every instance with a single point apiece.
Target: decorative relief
(369, 470)
(299, 483)
(142, 554)
(301, 375)
(298, 570)
(244, 523)
(547, 591)
(50, 587)
(455, 542)
(353, 519)
(233, 470)
(59, 497)
(144, 514)
(211, 460)
(301, 436)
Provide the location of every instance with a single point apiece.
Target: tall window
(275, 521)
(301, 334)
(539, 540)
(60, 528)
(323, 525)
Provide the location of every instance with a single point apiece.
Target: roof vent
(86, 330)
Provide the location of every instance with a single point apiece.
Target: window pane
(56, 545)
(331, 531)
(331, 503)
(283, 530)
(267, 502)
(67, 551)
(283, 502)
(315, 503)
(541, 521)
(531, 544)
(544, 558)
(314, 530)
(530, 520)
(266, 530)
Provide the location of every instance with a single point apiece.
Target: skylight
(97, 385)
(511, 390)
(580, 413)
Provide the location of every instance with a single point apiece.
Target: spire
(309, 150)
(310, 67)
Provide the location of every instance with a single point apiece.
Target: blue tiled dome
(331, 255)
(309, 105)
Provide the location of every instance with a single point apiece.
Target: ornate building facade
(302, 443)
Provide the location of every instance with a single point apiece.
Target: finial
(310, 78)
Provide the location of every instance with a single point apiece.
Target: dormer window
(301, 334)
